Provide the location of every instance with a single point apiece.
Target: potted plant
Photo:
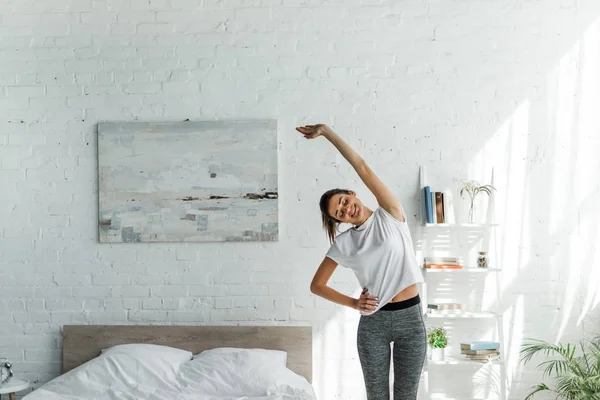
(575, 377)
(473, 188)
(437, 339)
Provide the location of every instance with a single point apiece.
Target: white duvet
(225, 374)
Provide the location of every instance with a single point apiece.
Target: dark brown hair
(330, 223)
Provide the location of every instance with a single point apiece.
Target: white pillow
(250, 357)
(150, 353)
(122, 369)
(233, 372)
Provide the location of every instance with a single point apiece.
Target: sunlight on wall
(507, 152)
(559, 160)
(338, 357)
(563, 84)
(575, 90)
(572, 214)
(513, 331)
(592, 296)
(588, 164)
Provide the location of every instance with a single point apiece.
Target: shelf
(460, 225)
(460, 361)
(461, 270)
(441, 396)
(465, 314)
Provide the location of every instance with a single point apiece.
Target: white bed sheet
(123, 377)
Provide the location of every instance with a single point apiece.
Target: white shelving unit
(462, 270)
(465, 314)
(460, 225)
(446, 231)
(458, 361)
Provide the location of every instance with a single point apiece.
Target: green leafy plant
(436, 337)
(574, 377)
(473, 188)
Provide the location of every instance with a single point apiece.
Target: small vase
(482, 260)
(437, 354)
(472, 212)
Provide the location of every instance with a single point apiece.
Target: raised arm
(385, 198)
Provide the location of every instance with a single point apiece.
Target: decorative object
(437, 339)
(6, 372)
(575, 377)
(472, 188)
(188, 182)
(482, 259)
(13, 386)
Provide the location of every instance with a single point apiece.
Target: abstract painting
(208, 181)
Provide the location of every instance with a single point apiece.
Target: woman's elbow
(315, 288)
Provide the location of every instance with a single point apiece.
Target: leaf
(539, 388)
(574, 377)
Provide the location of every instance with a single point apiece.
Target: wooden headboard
(82, 343)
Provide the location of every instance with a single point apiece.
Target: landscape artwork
(208, 181)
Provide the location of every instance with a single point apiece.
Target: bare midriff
(406, 294)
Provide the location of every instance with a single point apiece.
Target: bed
(106, 362)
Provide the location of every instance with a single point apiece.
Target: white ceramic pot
(437, 354)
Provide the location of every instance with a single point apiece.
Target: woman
(379, 249)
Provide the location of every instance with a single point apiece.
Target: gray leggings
(404, 327)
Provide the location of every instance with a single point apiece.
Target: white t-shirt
(381, 254)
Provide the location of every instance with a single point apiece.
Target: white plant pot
(437, 354)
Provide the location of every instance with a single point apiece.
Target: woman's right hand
(314, 131)
(366, 302)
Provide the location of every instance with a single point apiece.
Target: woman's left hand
(314, 131)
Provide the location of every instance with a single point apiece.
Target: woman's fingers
(309, 131)
(308, 134)
(367, 302)
(369, 305)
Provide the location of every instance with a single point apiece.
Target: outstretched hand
(314, 131)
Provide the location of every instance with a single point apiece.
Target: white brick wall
(456, 85)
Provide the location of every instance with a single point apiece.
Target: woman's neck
(368, 213)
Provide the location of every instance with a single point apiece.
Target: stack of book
(446, 308)
(481, 351)
(443, 262)
(439, 206)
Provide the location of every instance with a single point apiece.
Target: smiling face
(347, 208)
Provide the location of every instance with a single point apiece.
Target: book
(444, 260)
(486, 360)
(449, 217)
(483, 357)
(447, 306)
(428, 206)
(479, 352)
(480, 345)
(442, 266)
(492, 353)
(439, 208)
(446, 312)
(434, 213)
